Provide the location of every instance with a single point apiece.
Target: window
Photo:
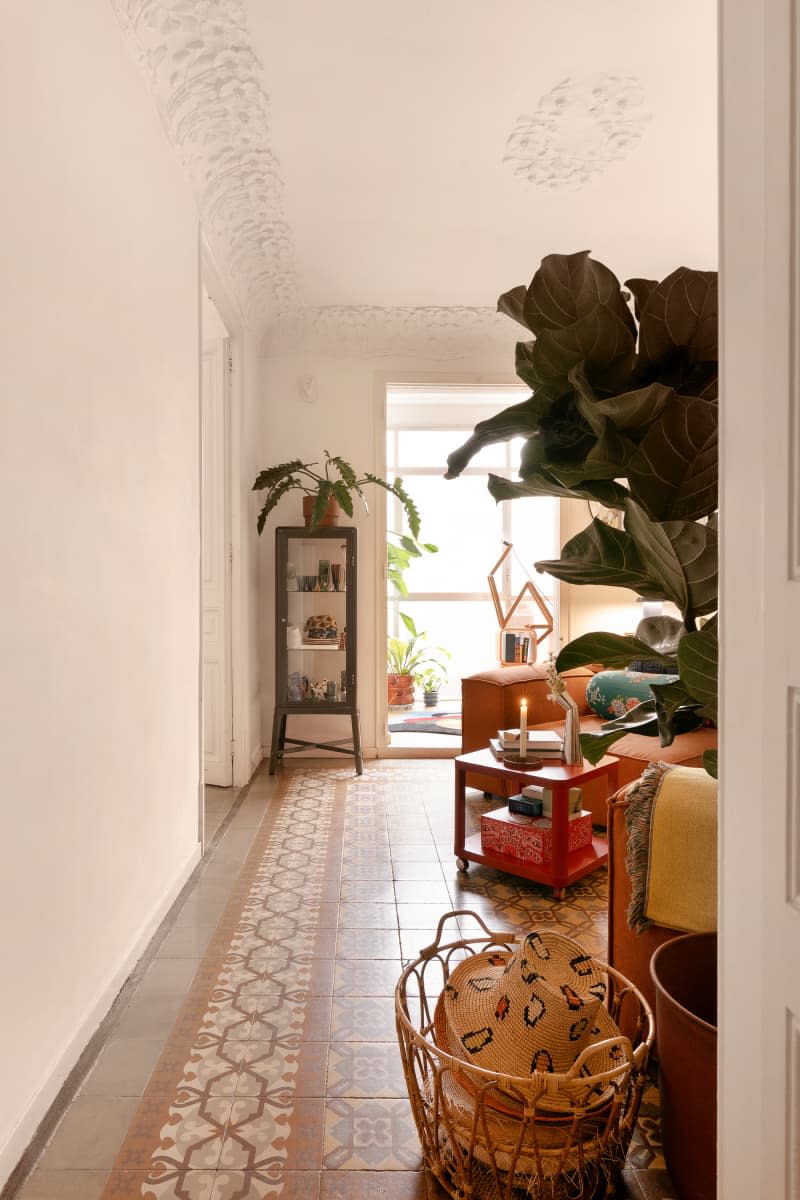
(448, 592)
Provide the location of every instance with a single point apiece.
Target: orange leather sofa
(491, 700)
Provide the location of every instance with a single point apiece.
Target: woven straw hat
(534, 1011)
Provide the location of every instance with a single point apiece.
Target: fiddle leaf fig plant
(623, 412)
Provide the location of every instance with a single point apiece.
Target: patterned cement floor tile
(363, 1019)
(370, 1135)
(366, 977)
(369, 1069)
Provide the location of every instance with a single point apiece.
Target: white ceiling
(430, 152)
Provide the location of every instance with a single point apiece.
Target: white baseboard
(37, 1109)
(256, 758)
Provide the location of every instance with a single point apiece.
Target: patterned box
(530, 839)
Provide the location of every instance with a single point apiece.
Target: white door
(759, 1016)
(217, 704)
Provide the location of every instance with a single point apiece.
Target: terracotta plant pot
(684, 972)
(401, 690)
(329, 517)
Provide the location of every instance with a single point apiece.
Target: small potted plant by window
(430, 681)
(407, 659)
(326, 491)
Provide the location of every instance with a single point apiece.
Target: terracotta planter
(401, 690)
(684, 972)
(329, 517)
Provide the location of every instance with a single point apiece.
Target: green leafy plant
(623, 412)
(430, 680)
(413, 655)
(401, 548)
(336, 479)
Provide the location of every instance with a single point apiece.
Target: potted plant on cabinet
(623, 413)
(407, 658)
(326, 491)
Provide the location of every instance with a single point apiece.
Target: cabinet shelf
(300, 672)
(318, 646)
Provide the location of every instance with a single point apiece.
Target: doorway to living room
(447, 611)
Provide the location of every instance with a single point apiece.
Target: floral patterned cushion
(613, 693)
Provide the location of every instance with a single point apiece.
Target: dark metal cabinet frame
(301, 667)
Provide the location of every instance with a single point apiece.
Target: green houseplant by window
(336, 481)
(408, 658)
(623, 412)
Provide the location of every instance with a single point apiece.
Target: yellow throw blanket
(672, 849)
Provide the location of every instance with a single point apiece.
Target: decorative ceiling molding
(366, 331)
(207, 83)
(579, 128)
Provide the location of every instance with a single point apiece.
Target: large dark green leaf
(567, 287)
(710, 763)
(602, 555)
(698, 660)
(520, 420)
(524, 365)
(641, 289)
(670, 696)
(611, 649)
(595, 745)
(511, 303)
(696, 547)
(638, 409)
(658, 555)
(599, 340)
(540, 483)
(680, 312)
(673, 474)
(606, 459)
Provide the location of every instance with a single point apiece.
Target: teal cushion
(613, 693)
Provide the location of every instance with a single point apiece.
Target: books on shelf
(515, 647)
(541, 743)
(538, 793)
(498, 749)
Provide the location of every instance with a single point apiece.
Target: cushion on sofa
(611, 694)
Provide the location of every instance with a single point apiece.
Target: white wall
(99, 538)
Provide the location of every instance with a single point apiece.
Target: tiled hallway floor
(257, 1054)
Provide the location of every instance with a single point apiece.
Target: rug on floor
(433, 721)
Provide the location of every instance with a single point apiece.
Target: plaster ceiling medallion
(206, 81)
(580, 127)
(366, 331)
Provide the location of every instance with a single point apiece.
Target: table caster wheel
(462, 865)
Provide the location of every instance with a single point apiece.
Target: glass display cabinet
(315, 636)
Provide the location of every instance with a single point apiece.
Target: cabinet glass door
(316, 618)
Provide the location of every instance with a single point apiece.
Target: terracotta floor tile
(374, 1185)
(252, 1185)
(91, 1133)
(64, 1185)
(124, 1067)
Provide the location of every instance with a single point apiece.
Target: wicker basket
(555, 1137)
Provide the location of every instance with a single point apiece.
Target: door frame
(759, 852)
(211, 278)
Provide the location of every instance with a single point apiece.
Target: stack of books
(541, 743)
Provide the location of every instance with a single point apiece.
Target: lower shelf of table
(579, 862)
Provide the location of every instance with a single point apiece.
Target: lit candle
(523, 729)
